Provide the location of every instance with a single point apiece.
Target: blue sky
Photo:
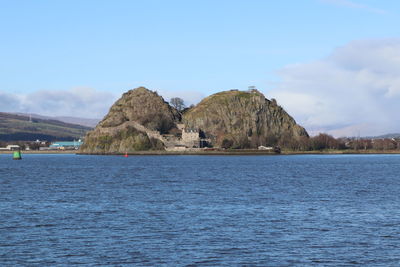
(191, 48)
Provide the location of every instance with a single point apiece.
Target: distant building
(10, 147)
(191, 138)
(66, 145)
(269, 148)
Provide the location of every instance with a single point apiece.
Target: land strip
(42, 152)
(219, 152)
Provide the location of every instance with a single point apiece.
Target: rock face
(142, 120)
(242, 119)
(135, 122)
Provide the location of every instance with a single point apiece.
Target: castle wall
(191, 138)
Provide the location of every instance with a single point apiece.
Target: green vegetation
(231, 120)
(328, 144)
(158, 122)
(322, 143)
(21, 128)
(127, 140)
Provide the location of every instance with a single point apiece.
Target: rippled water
(200, 210)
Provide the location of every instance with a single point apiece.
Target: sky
(334, 65)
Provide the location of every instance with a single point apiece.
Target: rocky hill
(242, 119)
(142, 120)
(135, 122)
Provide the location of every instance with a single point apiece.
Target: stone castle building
(190, 137)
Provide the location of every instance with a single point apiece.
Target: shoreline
(41, 152)
(341, 152)
(249, 152)
(216, 153)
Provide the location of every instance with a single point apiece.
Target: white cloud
(355, 90)
(9, 102)
(77, 102)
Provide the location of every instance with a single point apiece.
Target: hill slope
(240, 118)
(142, 120)
(21, 128)
(91, 123)
(133, 123)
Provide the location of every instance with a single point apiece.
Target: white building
(10, 148)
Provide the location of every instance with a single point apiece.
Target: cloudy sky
(334, 65)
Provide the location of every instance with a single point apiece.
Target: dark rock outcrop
(140, 119)
(242, 119)
(133, 123)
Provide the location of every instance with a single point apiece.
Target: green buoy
(17, 155)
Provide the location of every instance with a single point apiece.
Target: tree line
(326, 142)
(316, 143)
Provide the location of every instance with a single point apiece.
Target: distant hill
(391, 135)
(15, 127)
(74, 120)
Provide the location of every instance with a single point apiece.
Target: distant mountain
(74, 120)
(15, 127)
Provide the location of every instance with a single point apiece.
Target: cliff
(142, 120)
(242, 119)
(135, 122)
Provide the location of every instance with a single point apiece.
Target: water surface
(200, 210)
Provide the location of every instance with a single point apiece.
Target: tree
(227, 143)
(177, 103)
(242, 142)
(324, 141)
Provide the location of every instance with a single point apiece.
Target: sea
(283, 210)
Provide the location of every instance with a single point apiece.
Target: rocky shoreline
(220, 152)
(248, 152)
